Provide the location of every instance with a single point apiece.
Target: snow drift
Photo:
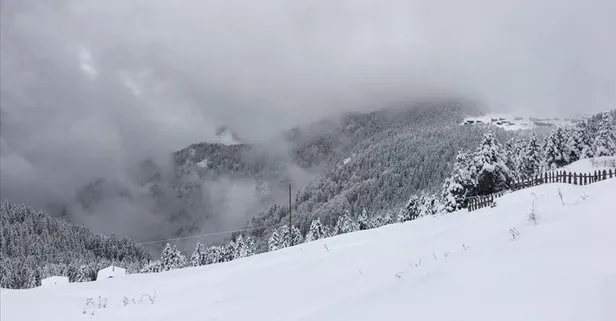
(491, 264)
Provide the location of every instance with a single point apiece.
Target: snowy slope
(462, 266)
(592, 164)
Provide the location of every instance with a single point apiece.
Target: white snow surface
(591, 164)
(459, 266)
(54, 280)
(110, 272)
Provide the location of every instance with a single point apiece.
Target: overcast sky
(88, 86)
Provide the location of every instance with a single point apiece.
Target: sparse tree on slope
(171, 258)
(345, 224)
(363, 220)
(274, 241)
(317, 231)
(199, 256)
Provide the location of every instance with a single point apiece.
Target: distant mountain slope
(378, 160)
(34, 245)
(350, 162)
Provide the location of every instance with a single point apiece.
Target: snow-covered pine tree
(274, 241)
(228, 251)
(363, 220)
(296, 236)
(152, 267)
(493, 175)
(605, 141)
(199, 256)
(345, 224)
(411, 210)
(84, 274)
(531, 160)
(460, 184)
(213, 255)
(284, 241)
(513, 154)
(555, 150)
(317, 231)
(171, 258)
(586, 139)
(574, 144)
(244, 246)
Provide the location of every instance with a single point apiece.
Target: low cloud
(89, 87)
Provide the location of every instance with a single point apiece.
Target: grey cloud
(90, 86)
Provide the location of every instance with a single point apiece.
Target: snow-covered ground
(592, 164)
(461, 266)
(510, 122)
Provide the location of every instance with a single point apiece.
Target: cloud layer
(90, 86)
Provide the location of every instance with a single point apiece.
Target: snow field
(459, 266)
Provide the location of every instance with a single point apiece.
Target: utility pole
(290, 226)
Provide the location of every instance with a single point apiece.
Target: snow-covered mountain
(491, 264)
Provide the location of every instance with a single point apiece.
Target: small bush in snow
(515, 234)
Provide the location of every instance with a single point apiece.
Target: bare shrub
(515, 234)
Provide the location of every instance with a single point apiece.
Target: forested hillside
(352, 161)
(34, 245)
(387, 156)
(482, 167)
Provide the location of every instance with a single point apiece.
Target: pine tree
(214, 255)
(493, 175)
(244, 246)
(345, 224)
(531, 160)
(171, 258)
(317, 231)
(199, 256)
(513, 154)
(555, 150)
(574, 144)
(411, 210)
(460, 184)
(363, 221)
(274, 241)
(605, 141)
(296, 236)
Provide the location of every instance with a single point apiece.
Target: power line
(201, 235)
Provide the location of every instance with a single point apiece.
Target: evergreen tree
(317, 231)
(531, 160)
(493, 175)
(514, 156)
(296, 236)
(412, 209)
(363, 220)
(199, 256)
(460, 184)
(555, 150)
(244, 247)
(605, 140)
(214, 255)
(171, 259)
(345, 224)
(574, 145)
(274, 241)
